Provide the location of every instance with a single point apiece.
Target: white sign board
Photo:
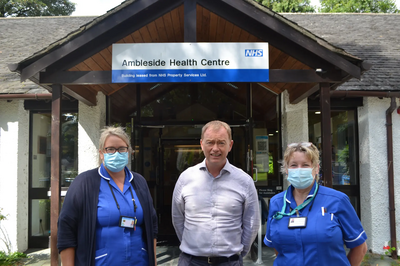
(190, 62)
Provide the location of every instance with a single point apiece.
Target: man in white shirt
(215, 205)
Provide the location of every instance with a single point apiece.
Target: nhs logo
(253, 52)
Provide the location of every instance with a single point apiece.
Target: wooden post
(325, 104)
(55, 170)
(190, 34)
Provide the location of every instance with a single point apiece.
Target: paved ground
(168, 256)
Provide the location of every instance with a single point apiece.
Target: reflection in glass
(343, 145)
(41, 149)
(188, 155)
(40, 225)
(194, 102)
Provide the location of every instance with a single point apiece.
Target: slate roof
(372, 37)
(22, 37)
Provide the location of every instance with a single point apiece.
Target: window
(344, 141)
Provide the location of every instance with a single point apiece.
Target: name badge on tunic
(297, 222)
(127, 222)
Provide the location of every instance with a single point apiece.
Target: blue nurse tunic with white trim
(331, 224)
(116, 245)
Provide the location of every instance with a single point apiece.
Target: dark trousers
(187, 260)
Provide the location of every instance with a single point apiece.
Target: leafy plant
(12, 258)
(9, 258)
(389, 250)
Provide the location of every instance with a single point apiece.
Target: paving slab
(169, 255)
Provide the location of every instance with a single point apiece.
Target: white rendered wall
(294, 124)
(14, 183)
(374, 192)
(91, 120)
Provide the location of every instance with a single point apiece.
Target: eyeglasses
(301, 144)
(112, 150)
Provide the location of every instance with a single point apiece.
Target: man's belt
(215, 260)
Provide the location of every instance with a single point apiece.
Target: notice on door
(189, 62)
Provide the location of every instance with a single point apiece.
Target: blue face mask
(300, 177)
(115, 162)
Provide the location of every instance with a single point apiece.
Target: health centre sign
(189, 62)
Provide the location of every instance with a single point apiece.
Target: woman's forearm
(68, 257)
(155, 252)
(356, 255)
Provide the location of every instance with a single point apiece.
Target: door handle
(256, 172)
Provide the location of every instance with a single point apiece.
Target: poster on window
(262, 157)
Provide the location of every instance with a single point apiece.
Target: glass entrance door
(167, 131)
(175, 157)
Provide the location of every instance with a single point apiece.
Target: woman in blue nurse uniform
(108, 216)
(309, 224)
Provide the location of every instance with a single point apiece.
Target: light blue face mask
(115, 162)
(300, 177)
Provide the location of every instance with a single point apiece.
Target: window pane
(41, 149)
(69, 148)
(343, 139)
(40, 225)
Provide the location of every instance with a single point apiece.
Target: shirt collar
(289, 194)
(104, 174)
(227, 167)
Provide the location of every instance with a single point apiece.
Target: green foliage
(358, 6)
(33, 8)
(11, 259)
(288, 6)
(389, 251)
(2, 217)
(271, 164)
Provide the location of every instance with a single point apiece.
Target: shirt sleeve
(178, 209)
(353, 232)
(69, 217)
(251, 217)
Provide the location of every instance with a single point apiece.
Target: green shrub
(12, 258)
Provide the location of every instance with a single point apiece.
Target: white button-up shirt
(215, 216)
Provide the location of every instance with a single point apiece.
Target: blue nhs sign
(253, 52)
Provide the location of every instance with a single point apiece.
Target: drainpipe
(389, 137)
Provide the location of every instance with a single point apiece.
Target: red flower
(386, 247)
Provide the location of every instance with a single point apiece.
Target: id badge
(297, 222)
(127, 222)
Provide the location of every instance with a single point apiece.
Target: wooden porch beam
(190, 20)
(297, 95)
(84, 95)
(96, 38)
(281, 34)
(56, 111)
(325, 106)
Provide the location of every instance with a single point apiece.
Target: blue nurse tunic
(116, 245)
(331, 223)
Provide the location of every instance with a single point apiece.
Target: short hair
(307, 148)
(113, 131)
(216, 125)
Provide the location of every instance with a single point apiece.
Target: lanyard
(279, 215)
(116, 202)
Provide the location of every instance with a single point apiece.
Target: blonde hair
(216, 125)
(113, 131)
(309, 149)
